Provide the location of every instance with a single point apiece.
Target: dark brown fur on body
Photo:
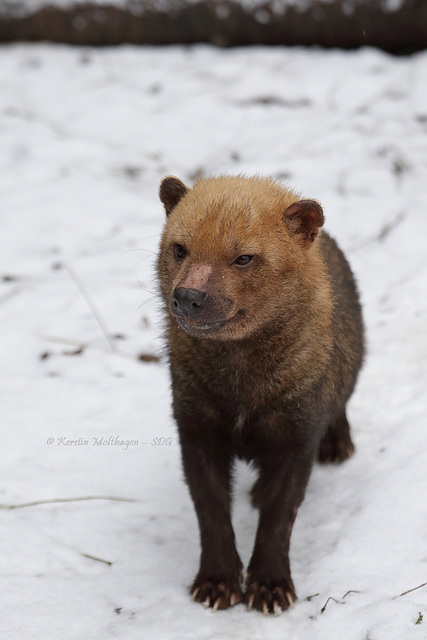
(265, 340)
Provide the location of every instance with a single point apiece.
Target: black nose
(188, 302)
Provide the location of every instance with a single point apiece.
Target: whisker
(145, 288)
(146, 302)
(154, 253)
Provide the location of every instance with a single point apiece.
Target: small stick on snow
(92, 306)
(326, 603)
(55, 500)
(143, 357)
(309, 598)
(379, 236)
(410, 590)
(86, 555)
(348, 593)
(9, 295)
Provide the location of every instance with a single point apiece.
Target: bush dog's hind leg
(336, 445)
(207, 467)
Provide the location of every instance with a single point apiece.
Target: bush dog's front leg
(277, 493)
(207, 467)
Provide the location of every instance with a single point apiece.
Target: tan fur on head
(222, 219)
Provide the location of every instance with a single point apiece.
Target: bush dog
(265, 341)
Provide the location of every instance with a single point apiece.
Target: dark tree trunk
(340, 23)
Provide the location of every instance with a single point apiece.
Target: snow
(86, 135)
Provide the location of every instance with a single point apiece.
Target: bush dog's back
(265, 340)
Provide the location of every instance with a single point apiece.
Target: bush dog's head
(235, 252)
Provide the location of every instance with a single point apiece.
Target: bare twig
(410, 590)
(92, 306)
(327, 601)
(59, 500)
(348, 593)
(81, 346)
(335, 600)
(384, 93)
(10, 294)
(86, 555)
(101, 322)
(380, 236)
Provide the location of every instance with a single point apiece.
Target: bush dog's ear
(304, 218)
(171, 191)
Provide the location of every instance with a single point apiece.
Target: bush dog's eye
(242, 261)
(179, 251)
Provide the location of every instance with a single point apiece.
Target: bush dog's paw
(217, 593)
(270, 597)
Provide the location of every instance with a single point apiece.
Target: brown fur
(263, 358)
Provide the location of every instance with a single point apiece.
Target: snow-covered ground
(85, 137)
